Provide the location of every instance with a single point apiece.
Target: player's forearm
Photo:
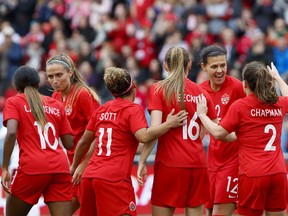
(283, 86)
(217, 131)
(9, 143)
(89, 153)
(146, 151)
(230, 137)
(154, 132)
(80, 151)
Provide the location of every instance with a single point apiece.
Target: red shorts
(75, 190)
(53, 187)
(223, 186)
(103, 198)
(179, 187)
(257, 194)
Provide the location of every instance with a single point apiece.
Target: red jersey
(223, 154)
(40, 150)
(78, 114)
(258, 128)
(115, 124)
(182, 146)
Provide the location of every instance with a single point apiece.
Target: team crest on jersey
(225, 99)
(132, 206)
(68, 109)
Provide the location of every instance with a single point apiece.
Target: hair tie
(127, 90)
(58, 61)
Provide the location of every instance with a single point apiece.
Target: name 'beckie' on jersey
(265, 112)
(47, 109)
(189, 98)
(108, 116)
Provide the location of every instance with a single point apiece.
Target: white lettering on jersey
(108, 116)
(265, 112)
(47, 109)
(189, 98)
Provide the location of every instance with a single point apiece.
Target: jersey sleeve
(155, 99)
(92, 122)
(10, 111)
(87, 103)
(239, 89)
(65, 127)
(137, 121)
(210, 105)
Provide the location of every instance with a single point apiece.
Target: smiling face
(59, 77)
(216, 69)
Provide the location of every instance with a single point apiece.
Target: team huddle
(244, 166)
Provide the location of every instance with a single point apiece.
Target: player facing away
(180, 168)
(257, 121)
(222, 156)
(118, 126)
(79, 100)
(38, 123)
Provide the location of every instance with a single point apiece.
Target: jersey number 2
(269, 146)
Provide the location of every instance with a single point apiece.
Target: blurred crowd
(135, 34)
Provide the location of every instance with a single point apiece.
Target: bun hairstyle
(26, 80)
(118, 81)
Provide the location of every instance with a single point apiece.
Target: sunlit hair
(177, 60)
(260, 81)
(26, 80)
(118, 81)
(211, 51)
(76, 78)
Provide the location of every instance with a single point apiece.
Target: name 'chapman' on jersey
(265, 112)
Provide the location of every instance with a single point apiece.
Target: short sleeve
(92, 122)
(210, 105)
(65, 127)
(10, 111)
(155, 99)
(137, 119)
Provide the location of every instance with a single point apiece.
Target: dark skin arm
(82, 148)
(9, 143)
(67, 141)
(81, 167)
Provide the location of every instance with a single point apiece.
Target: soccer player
(118, 125)
(37, 122)
(180, 169)
(222, 156)
(257, 121)
(79, 100)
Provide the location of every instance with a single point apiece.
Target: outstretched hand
(201, 103)
(177, 119)
(273, 71)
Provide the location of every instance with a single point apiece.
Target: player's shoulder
(233, 80)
